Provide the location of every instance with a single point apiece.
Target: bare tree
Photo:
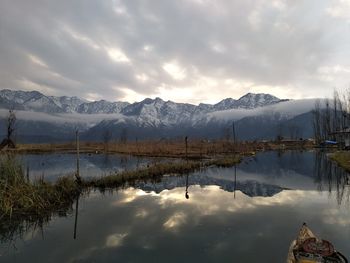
(279, 135)
(124, 135)
(106, 136)
(317, 122)
(336, 107)
(11, 122)
(226, 133)
(332, 117)
(327, 121)
(11, 126)
(294, 132)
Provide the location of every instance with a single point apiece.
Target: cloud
(76, 118)
(286, 109)
(115, 240)
(147, 48)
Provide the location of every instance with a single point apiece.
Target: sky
(185, 50)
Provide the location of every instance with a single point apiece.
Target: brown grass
(18, 196)
(156, 171)
(166, 148)
(342, 158)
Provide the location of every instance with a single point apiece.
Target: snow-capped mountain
(68, 104)
(248, 101)
(250, 188)
(159, 112)
(256, 116)
(101, 106)
(36, 101)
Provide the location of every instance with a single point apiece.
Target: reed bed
(196, 149)
(154, 148)
(19, 196)
(342, 158)
(156, 171)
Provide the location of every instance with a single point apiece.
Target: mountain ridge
(44, 118)
(37, 101)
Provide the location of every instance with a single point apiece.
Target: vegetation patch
(196, 149)
(342, 158)
(19, 196)
(156, 171)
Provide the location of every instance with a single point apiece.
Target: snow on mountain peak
(253, 100)
(150, 112)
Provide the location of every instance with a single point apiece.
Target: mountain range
(43, 118)
(250, 188)
(38, 102)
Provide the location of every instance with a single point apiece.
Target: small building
(342, 137)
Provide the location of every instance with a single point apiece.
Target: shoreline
(25, 199)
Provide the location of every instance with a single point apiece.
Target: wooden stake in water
(186, 192)
(186, 145)
(233, 132)
(78, 162)
(76, 217)
(234, 193)
(28, 173)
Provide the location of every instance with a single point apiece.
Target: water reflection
(331, 178)
(134, 226)
(186, 192)
(210, 177)
(76, 216)
(228, 213)
(51, 166)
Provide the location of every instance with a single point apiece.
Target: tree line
(331, 116)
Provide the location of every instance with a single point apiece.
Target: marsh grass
(342, 158)
(19, 196)
(197, 149)
(156, 171)
(26, 205)
(22, 198)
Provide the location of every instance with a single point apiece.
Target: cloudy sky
(184, 50)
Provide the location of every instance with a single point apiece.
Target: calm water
(248, 216)
(51, 166)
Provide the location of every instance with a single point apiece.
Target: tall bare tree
(106, 136)
(317, 122)
(11, 126)
(124, 135)
(332, 117)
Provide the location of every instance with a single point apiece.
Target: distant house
(342, 137)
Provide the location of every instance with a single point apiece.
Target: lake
(53, 165)
(250, 213)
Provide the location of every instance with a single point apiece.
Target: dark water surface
(53, 165)
(248, 216)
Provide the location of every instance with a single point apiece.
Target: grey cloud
(272, 43)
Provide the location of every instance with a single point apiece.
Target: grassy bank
(156, 171)
(21, 197)
(197, 149)
(342, 158)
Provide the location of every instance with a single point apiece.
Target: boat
(307, 248)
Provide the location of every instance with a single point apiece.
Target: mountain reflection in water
(154, 221)
(53, 165)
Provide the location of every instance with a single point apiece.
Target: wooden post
(233, 132)
(186, 145)
(234, 193)
(78, 161)
(76, 217)
(234, 137)
(186, 192)
(28, 173)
